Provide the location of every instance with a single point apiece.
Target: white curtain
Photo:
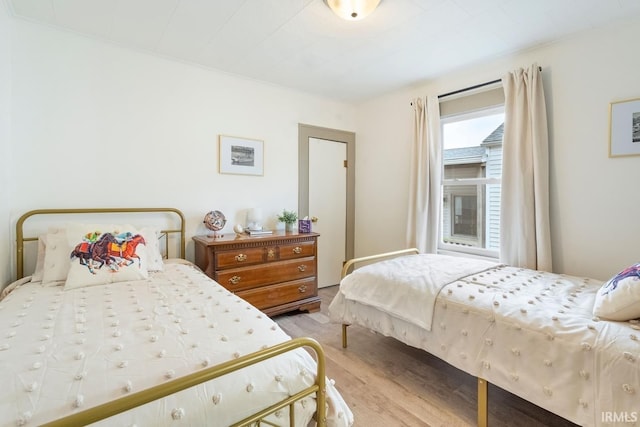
(524, 214)
(426, 170)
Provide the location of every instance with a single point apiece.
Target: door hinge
(345, 164)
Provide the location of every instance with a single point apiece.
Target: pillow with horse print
(101, 254)
(619, 298)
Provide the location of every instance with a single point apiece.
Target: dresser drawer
(297, 250)
(239, 257)
(237, 279)
(271, 296)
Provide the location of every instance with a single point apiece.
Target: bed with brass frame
(23, 411)
(529, 332)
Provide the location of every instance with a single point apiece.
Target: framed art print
(241, 156)
(624, 128)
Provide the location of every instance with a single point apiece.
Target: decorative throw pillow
(619, 298)
(38, 272)
(105, 254)
(56, 259)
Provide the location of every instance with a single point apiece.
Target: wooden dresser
(274, 272)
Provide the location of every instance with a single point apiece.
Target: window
(472, 162)
(465, 215)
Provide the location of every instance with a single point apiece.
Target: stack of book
(258, 232)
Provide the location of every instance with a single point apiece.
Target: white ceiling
(302, 45)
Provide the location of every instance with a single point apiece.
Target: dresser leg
(312, 307)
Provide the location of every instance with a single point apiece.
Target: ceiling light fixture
(352, 10)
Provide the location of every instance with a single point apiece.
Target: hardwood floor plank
(387, 383)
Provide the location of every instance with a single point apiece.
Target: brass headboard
(21, 239)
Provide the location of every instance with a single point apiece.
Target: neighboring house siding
(494, 170)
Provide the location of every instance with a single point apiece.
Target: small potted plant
(289, 218)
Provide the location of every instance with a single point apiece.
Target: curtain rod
(455, 92)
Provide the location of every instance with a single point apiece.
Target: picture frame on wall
(240, 156)
(624, 128)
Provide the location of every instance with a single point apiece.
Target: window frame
(453, 248)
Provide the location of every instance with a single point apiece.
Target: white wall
(595, 208)
(95, 124)
(383, 159)
(5, 148)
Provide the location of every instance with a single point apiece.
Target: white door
(328, 203)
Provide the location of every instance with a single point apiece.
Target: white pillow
(56, 259)
(154, 256)
(619, 297)
(117, 254)
(42, 247)
(39, 270)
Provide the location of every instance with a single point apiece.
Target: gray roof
(495, 136)
(465, 152)
(452, 155)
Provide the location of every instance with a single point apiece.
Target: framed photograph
(624, 128)
(241, 156)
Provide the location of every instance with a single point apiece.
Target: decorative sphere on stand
(214, 221)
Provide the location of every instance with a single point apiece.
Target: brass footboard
(483, 385)
(134, 400)
(349, 263)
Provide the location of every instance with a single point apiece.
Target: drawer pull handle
(271, 254)
(302, 267)
(241, 257)
(302, 289)
(234, 280)
(297, 250)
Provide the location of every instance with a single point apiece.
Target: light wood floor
(389, 384)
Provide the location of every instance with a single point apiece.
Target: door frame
(308, 131)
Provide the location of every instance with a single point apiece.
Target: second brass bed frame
(483, 385)
(134, 400)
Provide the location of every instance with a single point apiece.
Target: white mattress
(66, 350)
(528, 332)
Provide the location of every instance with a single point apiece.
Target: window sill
(471, 253)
